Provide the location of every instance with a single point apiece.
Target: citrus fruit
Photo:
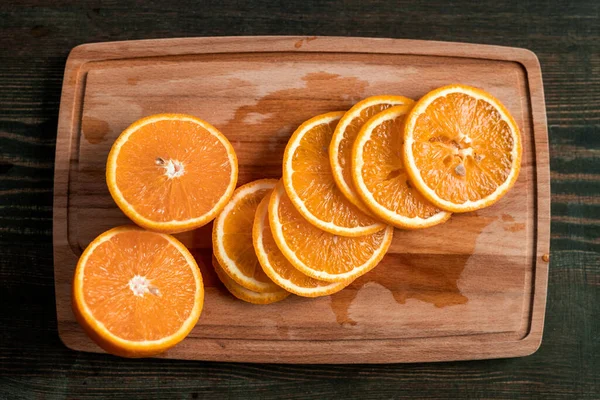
(310, 185)
(319, 254)
(278, 268)
(137, 293)
(244, 294)
(380, 178)
(462, 148)
(232, 237)
(171, 172)
(340, 149)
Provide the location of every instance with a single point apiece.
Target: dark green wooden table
(35, 38)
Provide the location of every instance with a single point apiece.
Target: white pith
(140, 285)
(174, 169)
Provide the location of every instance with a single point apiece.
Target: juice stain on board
(274, 117)
(94, 130)
(432, 278)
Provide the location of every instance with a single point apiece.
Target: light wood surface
(470, 289)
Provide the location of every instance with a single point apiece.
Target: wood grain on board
(472, 288)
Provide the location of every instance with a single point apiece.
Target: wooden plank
(472, 288)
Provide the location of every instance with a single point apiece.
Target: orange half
(137, 293)
(171, 172)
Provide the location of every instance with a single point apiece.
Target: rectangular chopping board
(472, 288)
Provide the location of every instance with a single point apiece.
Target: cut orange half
(340, 149)
(232, 237)
(310, 185)
(278, 268)
(319, 254)
(244, 294)
(462, 148)
(137, 293)
(380, 177)
(171, 172)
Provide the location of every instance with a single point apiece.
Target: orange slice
(462, 148)
(319, 254)
(340, 149)
(137, 293)
(171, 172)
(278, 268)
(310, 185)
(244, 294)
(232, 237)
(380, 178)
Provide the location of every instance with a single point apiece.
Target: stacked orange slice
(310, 184)
(242, 293)
(277, 266)
(344, 136)
(380, 177)
(233, 248)
(462, 148)
(318, 253)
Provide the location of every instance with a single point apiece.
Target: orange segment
(137, 293)
(380, 177)
(340, 149)
(319, 254)
(244, 294)
(310, 185)
(232, 237)
(158, 172)
(462, 148)
(278, 268)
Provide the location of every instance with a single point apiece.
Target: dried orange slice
(319, 254)
(171, 172)
(310, 185)
(462, 148)
(278, 268)
(137, 293)
(340, 149)
(380, 177)
(232, 237)
(244, 294)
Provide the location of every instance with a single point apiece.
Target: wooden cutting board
(472, 288)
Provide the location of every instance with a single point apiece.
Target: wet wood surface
(36, 37)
